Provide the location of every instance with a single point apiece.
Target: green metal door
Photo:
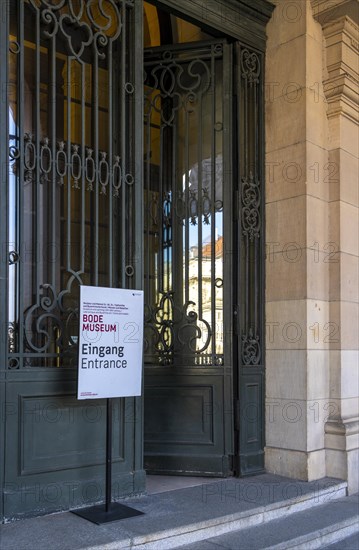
(72, 216)
(187, 259)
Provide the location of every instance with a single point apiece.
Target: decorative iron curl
(192, 322)
(251, 198)
(61, 162)
(14, 155)
(11, 337)
(251, 351)
(81, 22)
(77, 164)
(41, 319)
(184, 83)
(50, 316)
(250, 66)
(169, 327)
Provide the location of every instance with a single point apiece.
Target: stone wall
(312, 241)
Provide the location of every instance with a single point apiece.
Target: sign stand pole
(110, 511)
(108, 453)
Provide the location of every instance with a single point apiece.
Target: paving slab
(170, 514)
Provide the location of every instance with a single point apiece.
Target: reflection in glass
(184, 206)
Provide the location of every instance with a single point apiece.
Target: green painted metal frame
(139, 214)
(250, 271)
(241, 19)
(4, 25)
(185, 456)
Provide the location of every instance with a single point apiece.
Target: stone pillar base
(342, 451)
(306, 466)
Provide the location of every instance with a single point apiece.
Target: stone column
(341, 88)
(311, 362)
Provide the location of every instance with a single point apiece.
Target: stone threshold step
(349, 543)
(324, 525)
(197, 531)
(177, 517)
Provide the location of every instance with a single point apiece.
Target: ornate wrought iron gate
(71, 213)
(188, 236)
(74, 216)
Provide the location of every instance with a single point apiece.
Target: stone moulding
(341, 88)
(325, 11)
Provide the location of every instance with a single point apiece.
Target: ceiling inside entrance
(162, 28)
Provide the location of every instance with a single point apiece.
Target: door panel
(188, 212)
(249, 272)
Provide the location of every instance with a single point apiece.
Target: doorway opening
(187, 230)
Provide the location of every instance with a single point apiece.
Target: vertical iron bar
(110, 162)
(53, 149)
(177, 230)
(4, 219)
(262, 240)
(83, 183)
(20, 179)
(199, 203)
(131, 216)
(246, 144)
(136, 20)
(68, 216)
(123, 146)
(38, 223)
(246, 304)
(161, 196)
(262, 236)
(213, 210)
(95, 92)
(255, 244)
(246, 147)
(187, 213)
(149, 199)
(227, 227)
(175, 192)
(255, 122)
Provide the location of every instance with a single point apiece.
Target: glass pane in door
(183, 138)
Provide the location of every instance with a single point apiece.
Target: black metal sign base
(110, 511)
(99, 514)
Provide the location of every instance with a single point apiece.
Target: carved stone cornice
(326, 11)
(342, 85)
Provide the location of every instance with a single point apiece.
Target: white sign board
(110, 342)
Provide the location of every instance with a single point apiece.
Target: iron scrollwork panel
(251, 205)
(71, 178)
(250, 242)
